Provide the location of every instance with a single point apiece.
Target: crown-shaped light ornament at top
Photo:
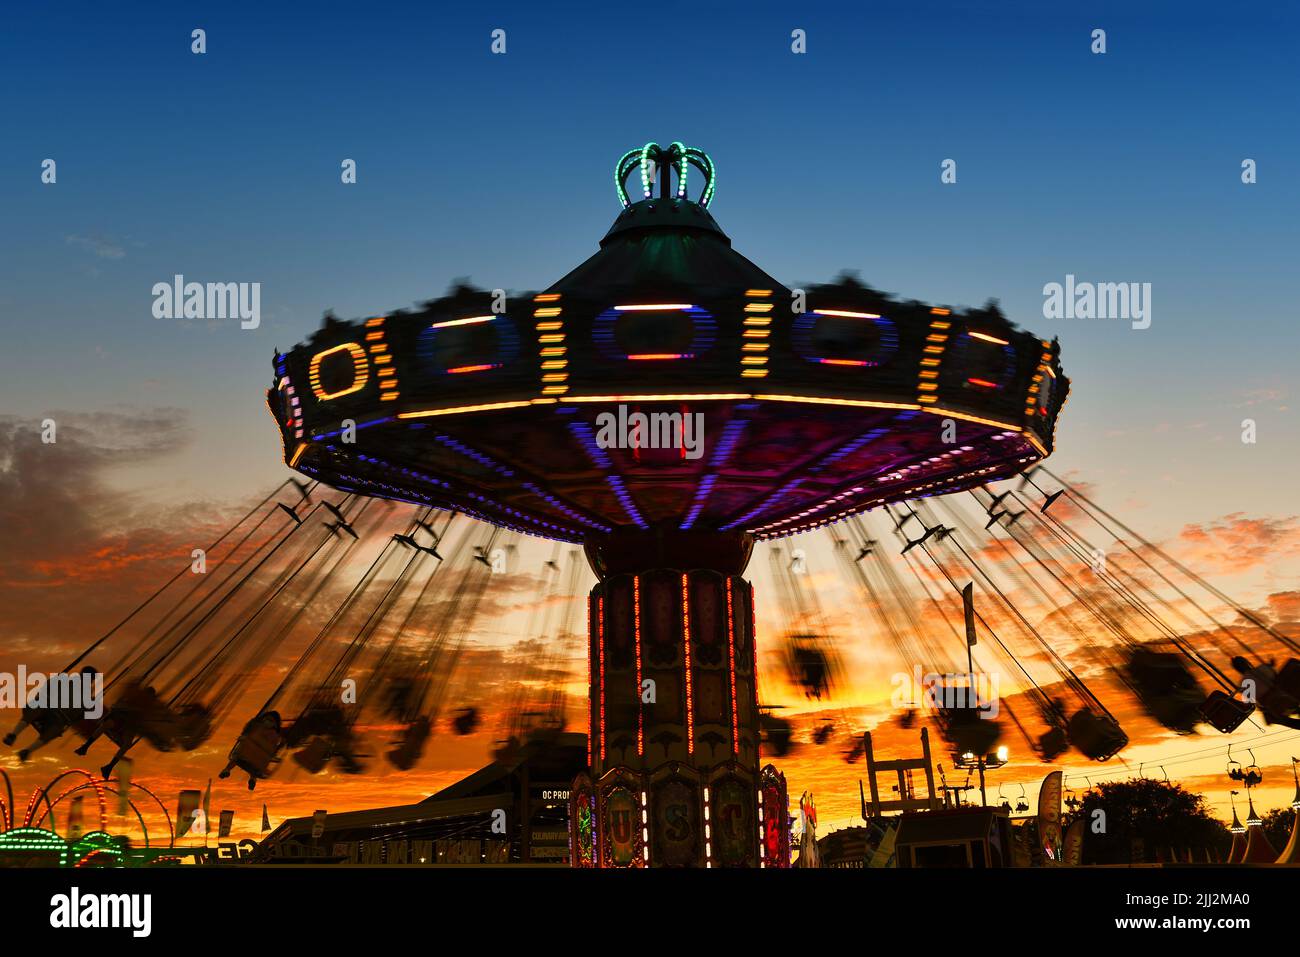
(654, 160)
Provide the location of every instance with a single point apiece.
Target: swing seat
(1288, 678)
(466, 721)
(1225, 713)
(1159, 672)
(1179, 711)
(1052, 743)
(48, 723)
(257, 749)
(969, 730)
(314, 756)
(193, 726)
(410, 745)
(1097, 736)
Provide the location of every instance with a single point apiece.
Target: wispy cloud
(103, 247)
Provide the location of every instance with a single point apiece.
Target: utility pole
(968, 606)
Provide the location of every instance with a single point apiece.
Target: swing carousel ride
(907, 437)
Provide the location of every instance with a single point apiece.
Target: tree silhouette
(1142, 819)
(1277, 826)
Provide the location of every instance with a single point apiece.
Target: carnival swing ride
(905, 440)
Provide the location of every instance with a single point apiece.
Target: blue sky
(1118, 167)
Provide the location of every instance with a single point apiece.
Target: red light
(731, 653)
(842, 362)
(985, 383)
(686, 641)
(590, 736)
(655, 356)
(636, 621)
(481, 368)
(600, 640)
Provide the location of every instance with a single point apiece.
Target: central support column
(673, 729)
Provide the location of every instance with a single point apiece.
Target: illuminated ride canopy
(666, 404)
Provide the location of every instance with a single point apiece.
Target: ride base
(673, 731)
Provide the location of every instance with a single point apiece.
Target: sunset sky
(1122, 167)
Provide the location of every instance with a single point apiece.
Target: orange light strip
(819, 400)
(477, 368)
(939, 337)
(654, 307)
(378, 349)
(756, 318)
(987, 338)
(600, 640)
(636, 625)
(675, 397)
(686, 642)
(471, 320)
(1009, 426)
(731, 656)
(1044, 368)
(456, 410)
(551, 347)
(845, 315)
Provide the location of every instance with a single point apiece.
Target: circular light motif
(338, 371)
(839, 337)
(469, 345)
(654, 332)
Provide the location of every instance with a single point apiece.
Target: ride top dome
(666, 404)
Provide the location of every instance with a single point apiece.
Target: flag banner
(266, 821)
(1072, 853)
(1049, 816)
(227, 821)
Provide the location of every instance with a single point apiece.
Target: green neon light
(645, 164)
(620, 174)
(679, 155)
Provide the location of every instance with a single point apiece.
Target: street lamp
(983, 762)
